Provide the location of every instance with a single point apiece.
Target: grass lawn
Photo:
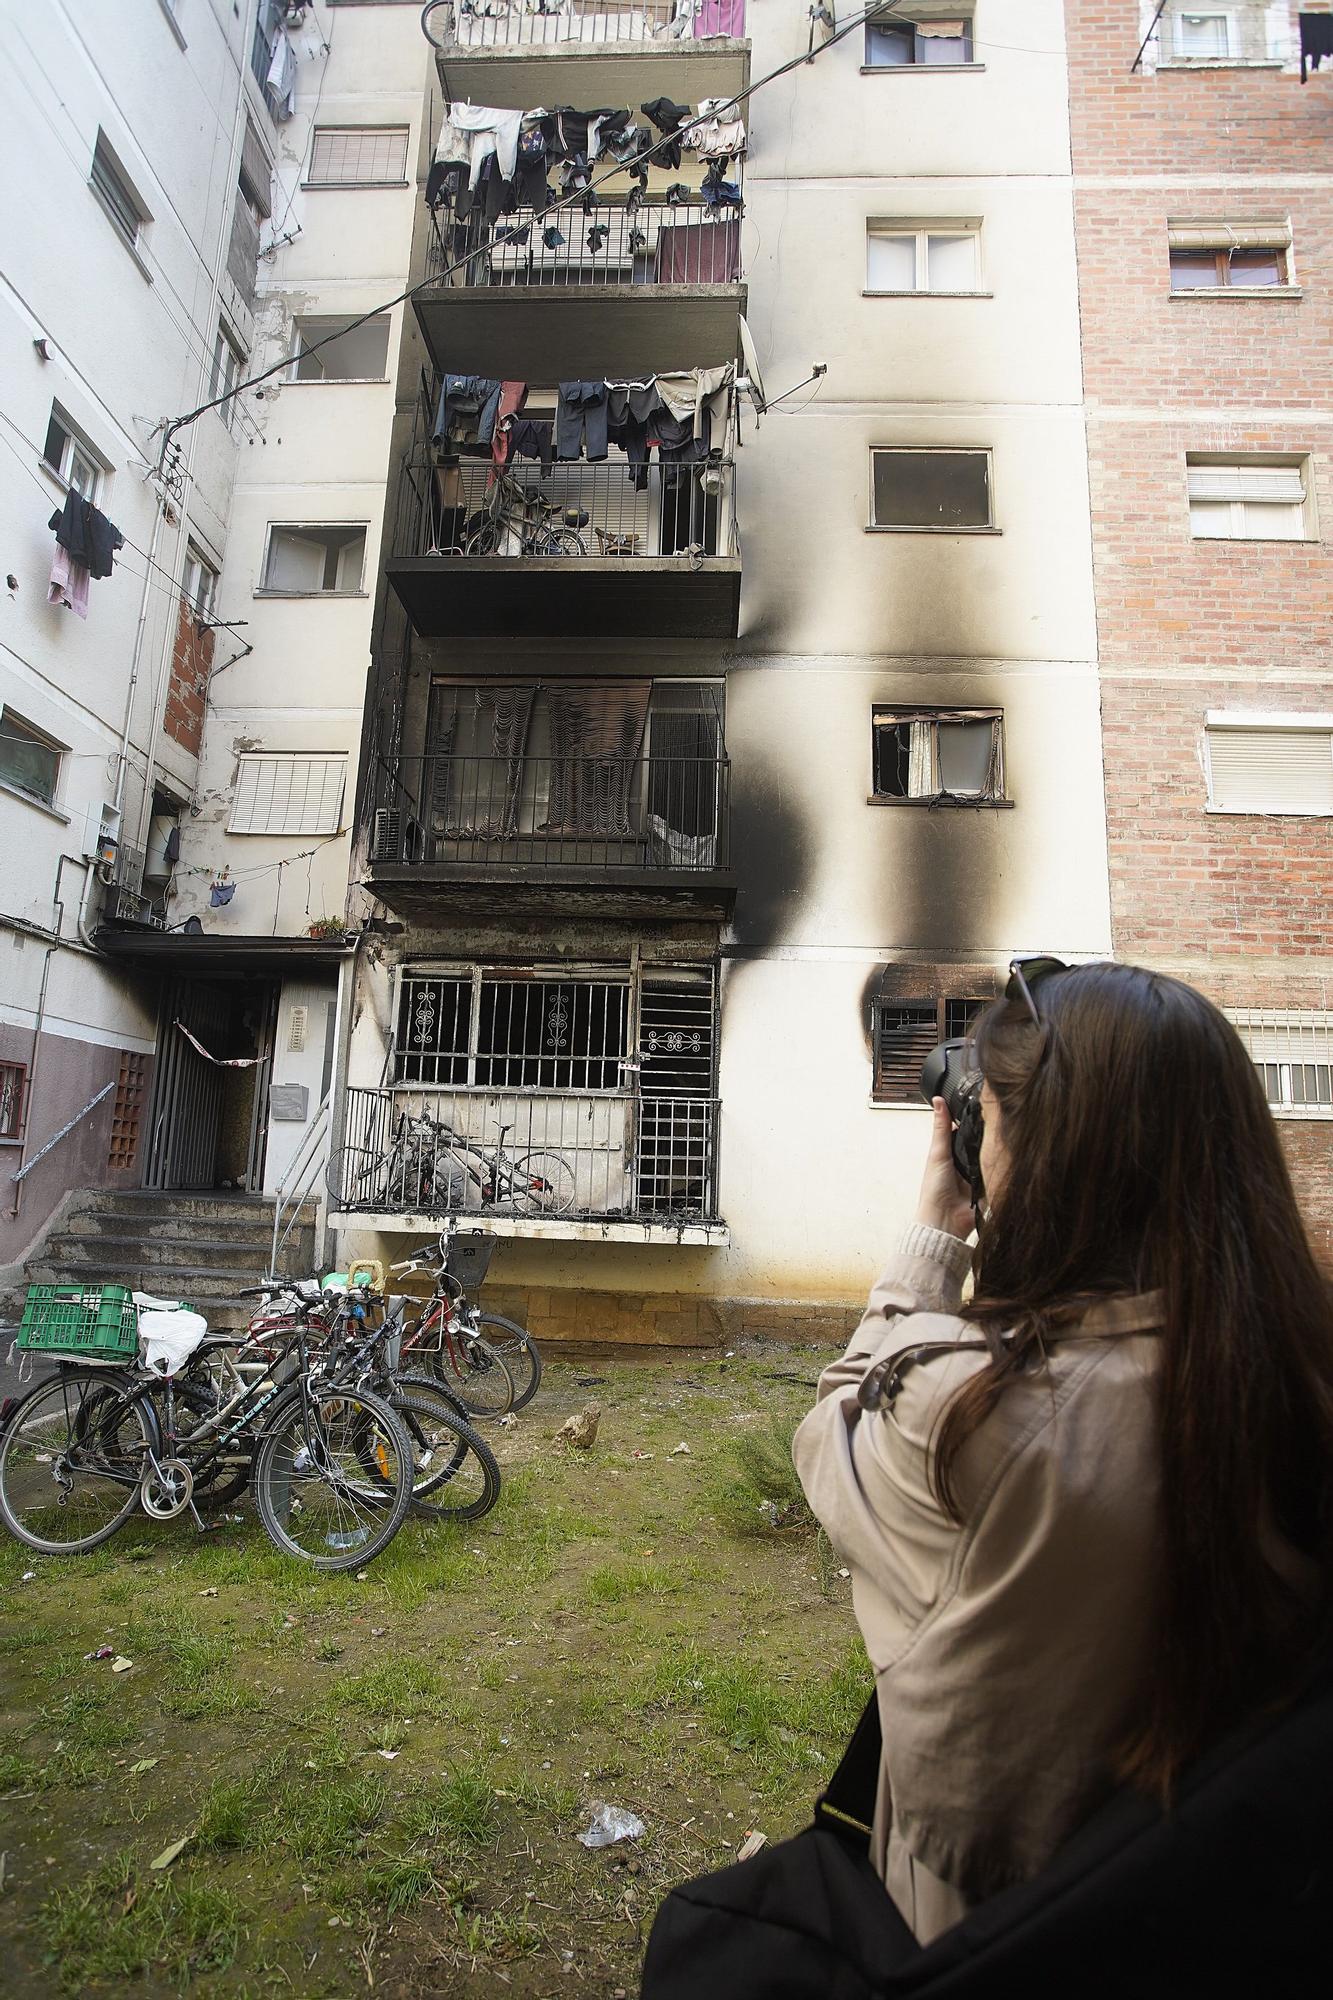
(381, 1782)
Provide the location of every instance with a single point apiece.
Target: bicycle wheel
(484, 539)
(516, 1348)
(472, 1370)
(311, 1489)
(455, 1476)
(543, 1184)
(558, 542)
(71, 1459)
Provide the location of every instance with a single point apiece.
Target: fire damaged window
(918, 37)
(923, 492)
(905, 1032)
(938, 756)
(506, 1030)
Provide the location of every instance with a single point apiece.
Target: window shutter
(256, 173)
(288, 795)
(1275, 484)
(905, 1034)
(1204, 235)
(352, 154)
(1271, 770)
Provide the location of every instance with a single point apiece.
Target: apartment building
(1204, 206)
(704, 788)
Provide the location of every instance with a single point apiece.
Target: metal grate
(1293, 1053)
(13, 1094)
(467, 25)
(513, 1032)
(905, 1032)
(358, 156)
(127, 1110)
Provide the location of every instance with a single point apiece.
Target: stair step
(190, 1229)
(96, 1253)
(150, 1203)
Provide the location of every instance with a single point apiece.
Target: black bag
(1232, 1888)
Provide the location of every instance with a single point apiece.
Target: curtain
(596, 736)
(510, 711)
(920, 761)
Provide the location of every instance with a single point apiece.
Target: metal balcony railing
(538, 1155)
(539, 815)
(614, 509)
(486, 24)
(684, 242)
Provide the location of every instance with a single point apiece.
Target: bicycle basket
(469, 1258)
(80, 1319)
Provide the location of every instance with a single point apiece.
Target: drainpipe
(51, 949)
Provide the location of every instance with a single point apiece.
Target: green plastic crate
(80, 1319)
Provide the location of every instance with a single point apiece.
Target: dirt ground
(380, 1782)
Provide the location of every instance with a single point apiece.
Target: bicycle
(523, 514)
(427, 1168)
(87, 1447)
(447, 1319)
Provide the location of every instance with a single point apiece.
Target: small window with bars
(13, 1098)
(358, 156)
(509, 1030)
(905, 1032)
(1293, 1053)
(127, 1110)
(288, 794)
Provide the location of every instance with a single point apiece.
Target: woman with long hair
(1089, 1512)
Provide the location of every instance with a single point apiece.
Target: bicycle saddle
(576, 517)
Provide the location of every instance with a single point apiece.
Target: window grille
(127, 1109)
(13, 1093)
(1293, 1053)
(288, 794)
(358, 156)
(905, 1032)
(513, 1031)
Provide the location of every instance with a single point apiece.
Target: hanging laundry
(493, 131)
(717, 192)
(698, 253)
(531, 437)
(717, 133)
(668, 118)
(678, 192)
(171, 852)
(87, 534)
(513, 395)
(281, 79)
(580, 420)
(69, 583)
(531, 168)
(552, 237)
(468, 407)
(514, 237)
(220, 892)
(1316, 40)
(597, 235)
(720, 17)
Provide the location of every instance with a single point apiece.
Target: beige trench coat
(1009, 1650)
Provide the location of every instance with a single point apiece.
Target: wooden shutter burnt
(905, 1033)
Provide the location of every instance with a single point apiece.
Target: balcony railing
(487, 24)
(542, 816)
(687, 242)
(613, 510)
(534, 1155)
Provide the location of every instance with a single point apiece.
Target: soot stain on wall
(773, 845)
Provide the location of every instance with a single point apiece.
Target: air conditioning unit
(396, 836)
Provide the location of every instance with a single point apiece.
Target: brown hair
(1142, 1156)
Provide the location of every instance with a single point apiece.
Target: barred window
(1293, 1053)
(905, 1032)
(513, 1031)
(358, 155)
(13, 1091)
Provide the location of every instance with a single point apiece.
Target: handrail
(303, 1169)
(65, 1130)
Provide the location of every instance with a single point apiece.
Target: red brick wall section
(187, 691)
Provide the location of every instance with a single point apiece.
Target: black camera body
(950, 1071)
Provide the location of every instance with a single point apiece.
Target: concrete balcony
(621, 291)
(551, 52)
(567, 550)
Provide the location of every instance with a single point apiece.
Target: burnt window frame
(940, 1029)
(890, 714)
(982, 451)
(888, 21)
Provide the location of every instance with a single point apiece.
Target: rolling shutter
(288, 795)
(905, 1034)
(1270, 770)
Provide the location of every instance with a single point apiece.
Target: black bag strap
(847, 1804)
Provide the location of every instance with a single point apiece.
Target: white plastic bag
(610, 1824)
(167, 1339)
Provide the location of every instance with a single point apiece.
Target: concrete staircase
(202, 1248)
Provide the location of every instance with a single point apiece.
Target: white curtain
(920, 761)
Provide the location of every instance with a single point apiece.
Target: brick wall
(187, 690)
(1239, 904)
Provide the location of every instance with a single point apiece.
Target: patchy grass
(382, 1778)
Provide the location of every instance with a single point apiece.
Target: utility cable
(574, 199)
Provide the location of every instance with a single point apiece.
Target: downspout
(51, 949)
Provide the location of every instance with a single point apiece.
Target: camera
(950, 1071)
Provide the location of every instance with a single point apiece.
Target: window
(288, 794)
(29, 760)
(925, 257)
(1217, 256)
(315, 561)
(359, 156)
(199, 583)
(1269, 763)
(228, 369)
(1247, 500)
(898, 43)
(1204, 37)
(904, 1032)
(1293, 1053)
(69, 457)
(13, 1095)
(115, 191)
(938, 756)
(943, 491)
(359, 354)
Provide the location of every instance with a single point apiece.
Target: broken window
(924, 490)
(895, 42)
(938, 755)
(340, 350)
(315, 561)
(903, 1034)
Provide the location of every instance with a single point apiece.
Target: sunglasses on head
(1027, 972)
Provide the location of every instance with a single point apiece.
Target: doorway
(209, 1119)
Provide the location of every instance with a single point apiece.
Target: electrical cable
(574, 199)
